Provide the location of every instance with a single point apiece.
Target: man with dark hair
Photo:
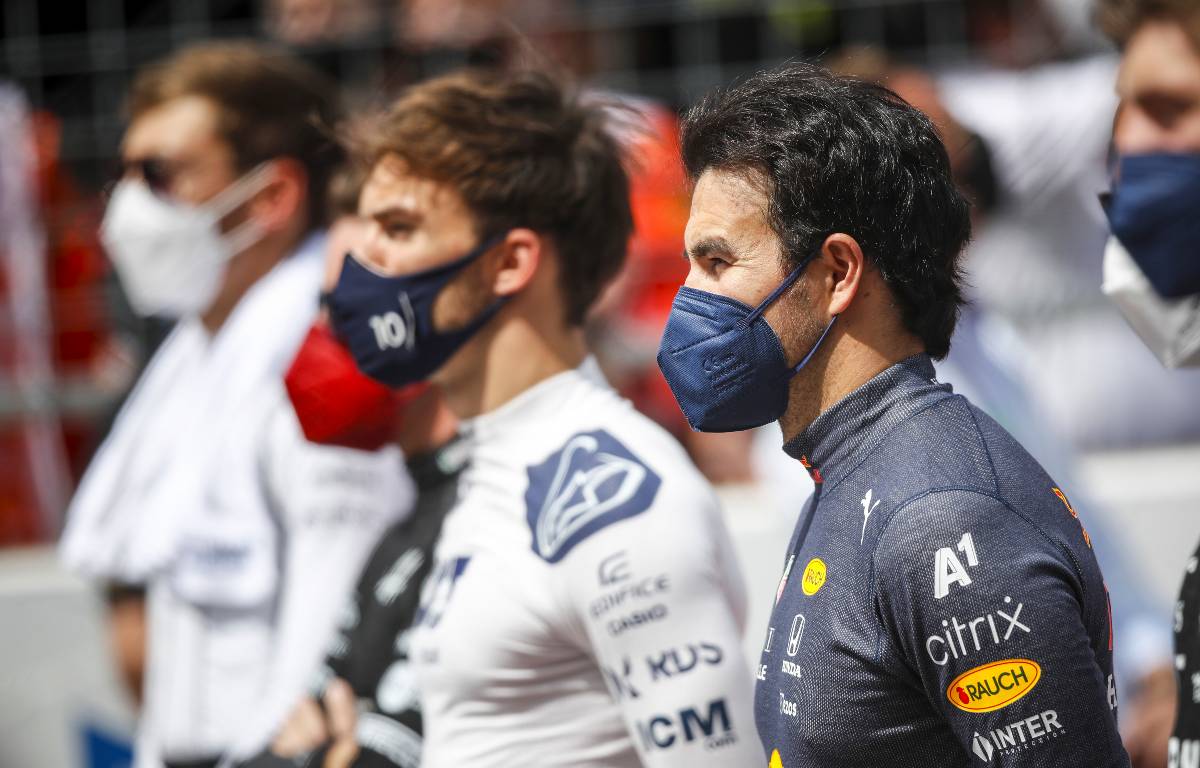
(245, 536)
(1151, 269)
(584, 606)
(940, 604)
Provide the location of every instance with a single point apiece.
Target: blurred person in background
(825, 237)
(244, 536)
(1152, 274)
(366, 669)
(1046, 124)
(585, 606)
(363, 702)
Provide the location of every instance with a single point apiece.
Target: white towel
(183, 432)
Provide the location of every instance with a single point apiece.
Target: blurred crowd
(1027, 121)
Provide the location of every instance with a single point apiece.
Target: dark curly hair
(843, 155)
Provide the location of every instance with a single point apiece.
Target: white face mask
(170, 256)
(1170, 328)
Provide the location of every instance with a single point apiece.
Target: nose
(698, 278)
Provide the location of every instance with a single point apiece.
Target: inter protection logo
(1018, 736)
(982, 748)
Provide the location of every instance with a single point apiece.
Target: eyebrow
(709, 245)
(395, 212)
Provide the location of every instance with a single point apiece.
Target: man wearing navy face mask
(584, 606)
(939, 604)
(1152, 263)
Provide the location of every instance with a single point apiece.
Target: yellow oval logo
(993, 686)
(814, 576)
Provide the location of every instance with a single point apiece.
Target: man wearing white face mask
(1151, 266)
(245, 536)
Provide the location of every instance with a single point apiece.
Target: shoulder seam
(1062, 551)
(986, 450)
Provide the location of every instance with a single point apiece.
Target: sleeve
(658, 600)
(1047, 127)
(993, 617)
(332, 506)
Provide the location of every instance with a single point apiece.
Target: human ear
(843, 258)
(283, 196)
(520, 253)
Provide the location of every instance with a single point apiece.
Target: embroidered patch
(592, 482)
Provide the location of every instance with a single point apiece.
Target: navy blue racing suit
(940, 603)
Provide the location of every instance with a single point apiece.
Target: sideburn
(465, 298)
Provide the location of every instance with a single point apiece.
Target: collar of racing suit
(545, 400)
(441, 465)
(837, 440)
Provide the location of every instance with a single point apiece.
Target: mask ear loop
(775, 294)
(248, 232)
(792, 277)
(816, 346)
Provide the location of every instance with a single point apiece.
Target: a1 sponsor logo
(709, 724)
(961, 639)
(993, 686)
(1017, 737)
(948, 569)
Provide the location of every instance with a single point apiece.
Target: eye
(1166, 110)
(715, 264)
(396, 230)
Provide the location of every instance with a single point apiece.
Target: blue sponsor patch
(437, 589)
(592, 482)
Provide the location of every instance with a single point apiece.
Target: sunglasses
(156, 172)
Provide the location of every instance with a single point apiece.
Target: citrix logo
(998, 626)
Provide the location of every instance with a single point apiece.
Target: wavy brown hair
(522, 149)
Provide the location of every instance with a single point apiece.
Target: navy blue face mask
(724, 363)
(387, 322)
(1154, 210)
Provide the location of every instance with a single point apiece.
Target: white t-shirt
(585, 606)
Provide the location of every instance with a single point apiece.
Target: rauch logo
(993, 686)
